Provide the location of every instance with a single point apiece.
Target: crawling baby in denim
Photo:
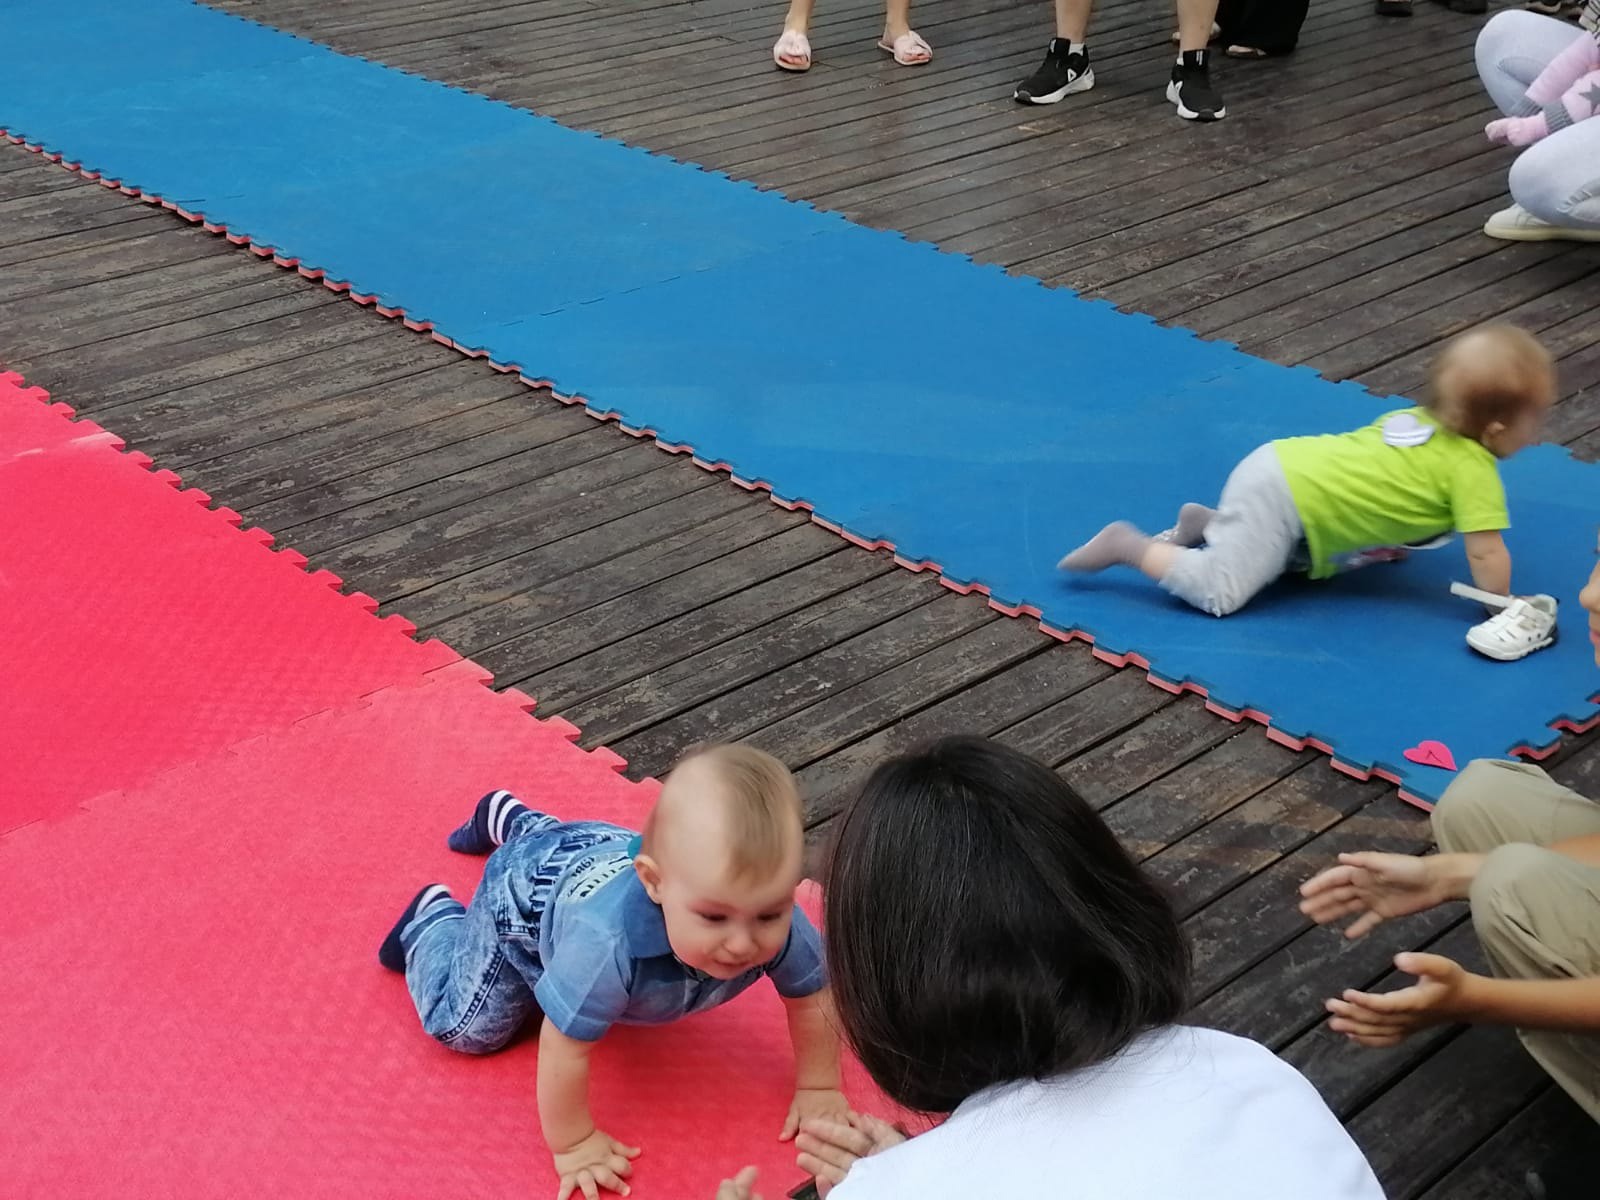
(587, 924)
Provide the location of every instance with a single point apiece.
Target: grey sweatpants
(1255, 537)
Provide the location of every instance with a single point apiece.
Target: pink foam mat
(223, 780)
(142, 628)
(193, 964)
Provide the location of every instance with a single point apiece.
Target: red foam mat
(192, 964)
(221, 781)
(141, 628)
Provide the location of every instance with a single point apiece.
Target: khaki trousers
(1536, 912)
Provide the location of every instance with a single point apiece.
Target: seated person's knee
(1460, 811)
(1498, 891)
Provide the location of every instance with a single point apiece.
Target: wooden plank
(749, 709)
(765, 652)
(1450, 1104)
(1495, 1170)
(713, 625)
(1170, 809)
(1261, 916)
(600, 603)
(987, 708)
(1351, 1076)
(451, 562)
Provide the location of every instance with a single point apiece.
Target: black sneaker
(1191, 88)
(1058, 77)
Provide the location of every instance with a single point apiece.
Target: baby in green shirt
(1318, 504)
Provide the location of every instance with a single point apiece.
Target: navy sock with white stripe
(488, 825)
(392, 953)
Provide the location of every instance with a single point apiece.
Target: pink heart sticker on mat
(1432, 754)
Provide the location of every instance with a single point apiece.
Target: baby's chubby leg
(1123, 544)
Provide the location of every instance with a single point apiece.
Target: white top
(1180, 1114)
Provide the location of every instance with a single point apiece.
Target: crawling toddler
(1321, 503)
(588, 924)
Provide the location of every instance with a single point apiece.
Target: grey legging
(1557, 179)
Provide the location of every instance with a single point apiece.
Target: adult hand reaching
(828, 1148)
(1443, 992)
(740, 1187)
(1380, 886)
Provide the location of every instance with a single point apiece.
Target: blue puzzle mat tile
(965, 417)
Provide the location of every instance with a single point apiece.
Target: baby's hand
(827, 1103)
(599, 1161)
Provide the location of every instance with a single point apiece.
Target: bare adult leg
(793, 49)
(909, 48)
(1065, 69)
(1190, 87)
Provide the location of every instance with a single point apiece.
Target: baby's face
(721, 926)
(716, 923)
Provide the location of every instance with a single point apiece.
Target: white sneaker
(1527, 624)
(1517, 224)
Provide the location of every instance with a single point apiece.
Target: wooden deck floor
(1332, 219)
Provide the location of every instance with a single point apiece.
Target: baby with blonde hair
(588, 924)
(1323, 503)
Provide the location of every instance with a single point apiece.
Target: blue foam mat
(971, 419)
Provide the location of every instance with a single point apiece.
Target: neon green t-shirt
(1404, 478)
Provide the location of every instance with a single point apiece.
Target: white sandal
(909, 49)
(796, 48)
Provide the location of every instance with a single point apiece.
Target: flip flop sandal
(794, 47)
(1246, 52)
(909, 49)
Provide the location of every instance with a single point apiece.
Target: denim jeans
(471, 971)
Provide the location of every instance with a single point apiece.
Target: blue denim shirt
(603, 946)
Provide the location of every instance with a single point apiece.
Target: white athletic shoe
(1527, 624)
(1517, 224)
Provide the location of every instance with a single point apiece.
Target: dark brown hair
(984, 925)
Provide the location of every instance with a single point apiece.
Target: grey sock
(1118, 543)
(1190, 530)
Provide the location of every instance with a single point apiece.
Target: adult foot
(1190, 88)
(792, 51)
(1060, 75)
(1517, 224)
(909, 48)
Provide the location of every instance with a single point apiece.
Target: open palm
(1373, 885)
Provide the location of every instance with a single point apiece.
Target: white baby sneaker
(1526, 624)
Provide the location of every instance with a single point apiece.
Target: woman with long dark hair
(996, 955)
